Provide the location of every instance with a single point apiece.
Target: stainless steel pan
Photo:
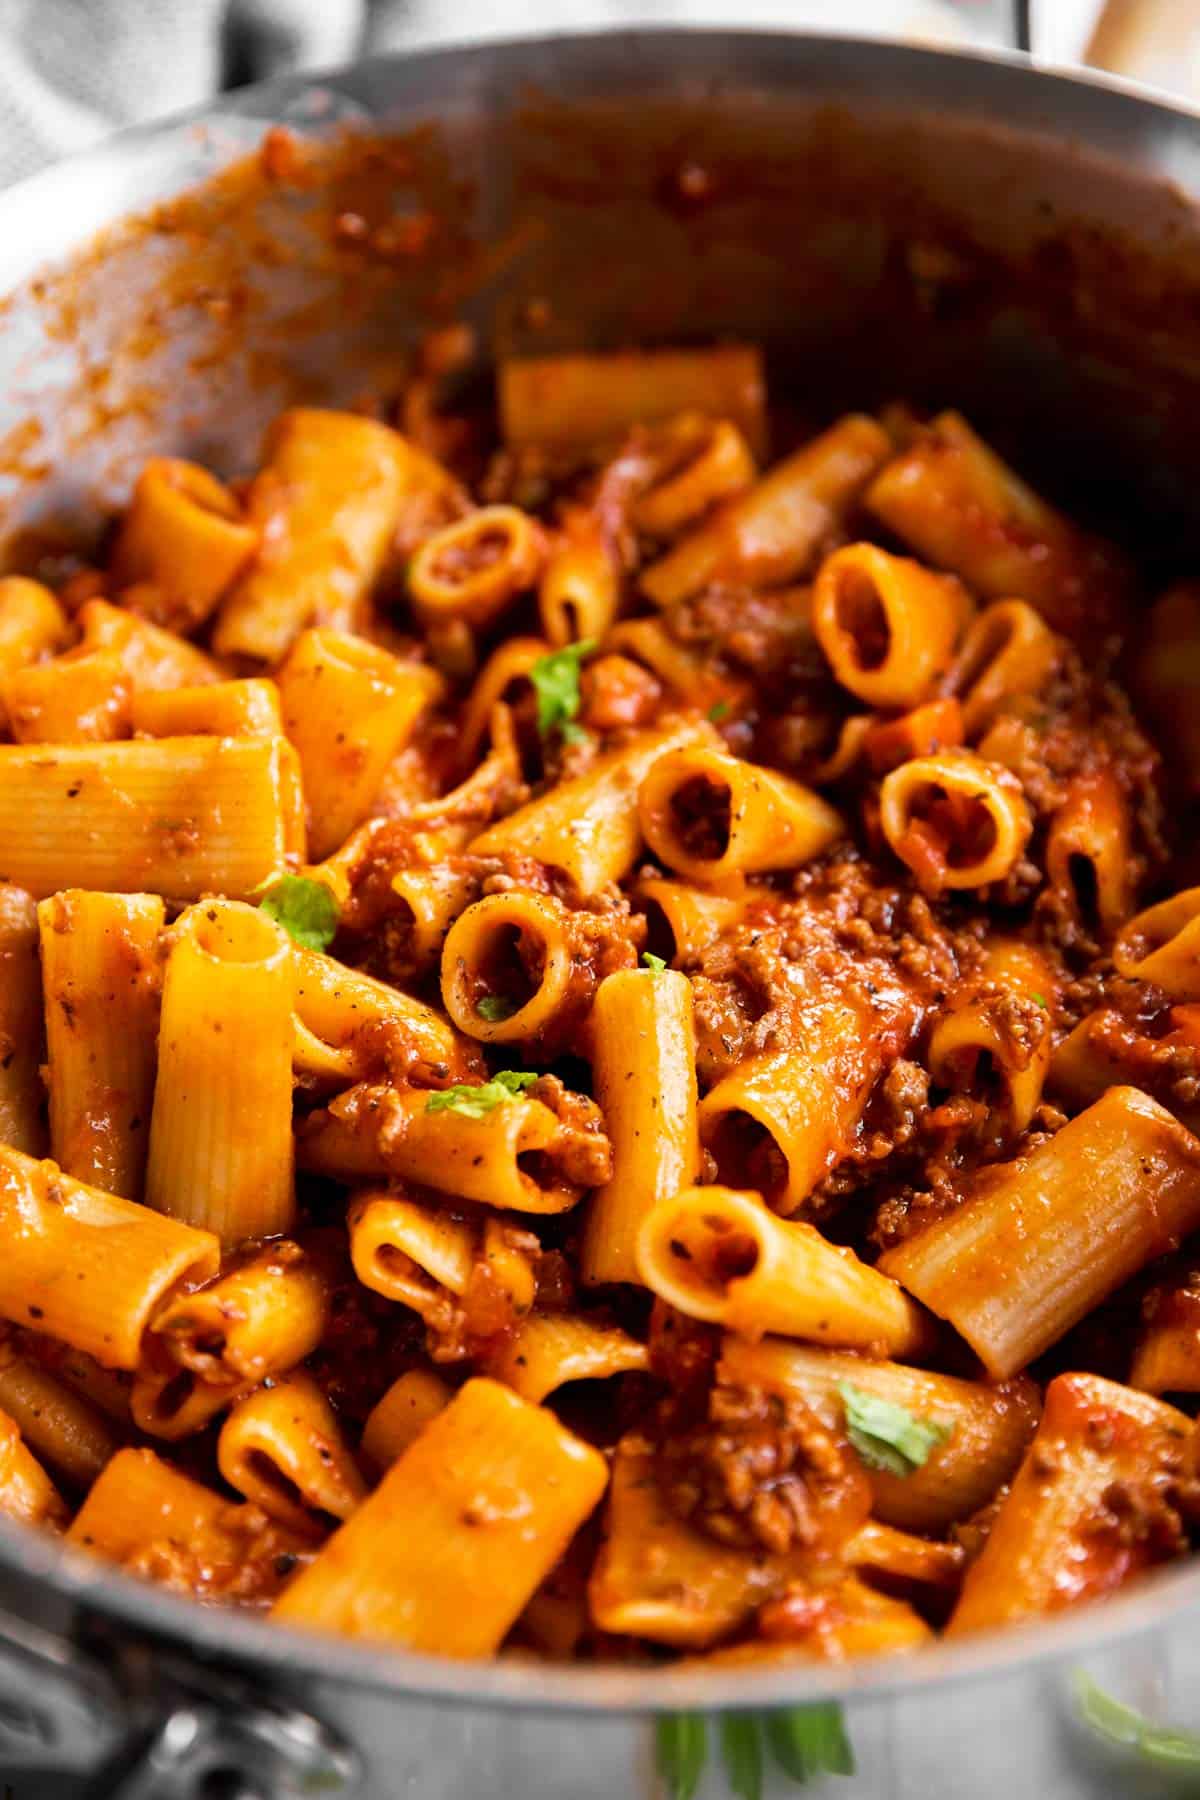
(887, 220)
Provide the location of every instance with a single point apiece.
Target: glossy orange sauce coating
(831, 973)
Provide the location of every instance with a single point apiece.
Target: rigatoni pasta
(322, 509)
(88, 1267)
(739, 1046)
(721, 1256)
(348, 709)
(100, 978)
(174, 816)
(22, 1124)
(437, 1558)
(221, 1151)
(644, 1067)
(1028, 1253)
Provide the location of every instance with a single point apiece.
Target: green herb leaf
(1119, 1723)
(718, 710)
(741, 1747)
(306, 909)
(810, 1740)
(555, 679)
(681, 1753)
(496, 1007)
(1160, 1745)
(652, 965)
(479, 1100)
(1041, 1001)
(887, 1436)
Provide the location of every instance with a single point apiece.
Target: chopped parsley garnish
(742, 1754)
(718, 710)
(555, 679)
(810, 1740)
(887, 1436)
(803, 1742)
(496, 1007)
(681, 1753)
(1162, 1746)
(479, 1100)
(306, 909)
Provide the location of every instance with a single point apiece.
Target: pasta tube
(956, 820)
(1166, 1359)
(100, 974)
(183, 542)
(472, 570)
(86, 1266)
(658, 1578)
(962, 508)
(834, 1620)
(179, 817)
(888, 626)
(429, 901)
(59, 1425)
(450, 1546)
(172, 1403)
(589, 826)
(787, 1116)
(81, 698)
(509, 663)
(411, 1253)
(1008, 652)
(32, 624)
(682, 668)
(580, 589)
(511, 968)
(583, 402)
(711, 816)
(258, 1320)
(349, 708)
(148, 1518)
(553, 1348)
(221, 1128)
(21, 1092)
(1028, 1252)
(644, 1075)
(987, 1427)
(693, 918)
(282, 1448)
(397, 1420)
(340, 1011)
(324, 507)
(772, 533)
(26, 1491)
(1103, 1455)
(723, 1257)
(517, 1156)
(154, 659)
(216, 709)
(891, 1556)
(1162, 945)
(705, 461)
(1088, 852)
(976, 1048)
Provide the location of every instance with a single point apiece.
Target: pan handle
(137, 1723)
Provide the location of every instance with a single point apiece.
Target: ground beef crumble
(761, 1471)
